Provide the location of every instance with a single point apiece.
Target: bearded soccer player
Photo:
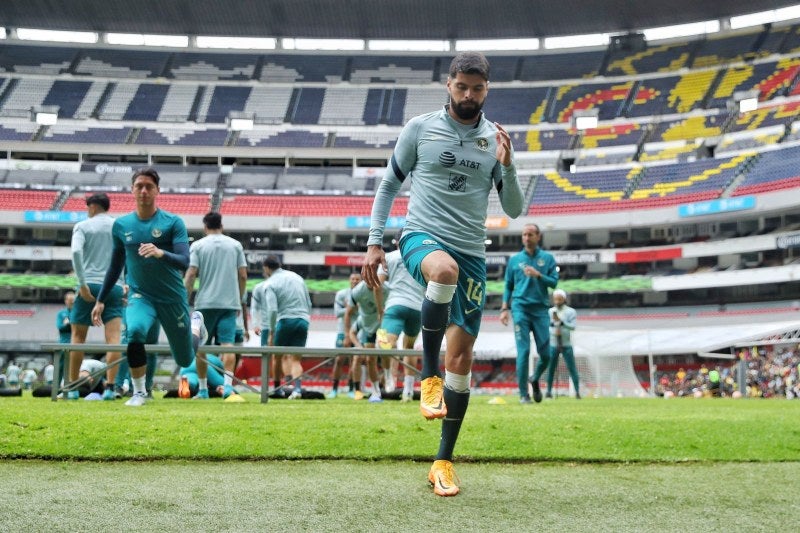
(456, 157)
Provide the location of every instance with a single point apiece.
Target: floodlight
(584, 119)
(745, 101)
(45, 115)
(241, 124)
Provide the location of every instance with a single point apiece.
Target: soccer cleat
(295, 395)
(227, 391)
(73, 395)
(375, 397)
(137, 400)
(202, 394)
(108, 394)
(577, 395)
(537, 392)
(199, 326)
(407, 397)
(352, 395)
(358, 395)
(441, 477)
(183, 388)
(548, 394)
(524, 399)
(431, 398)
(332, 395)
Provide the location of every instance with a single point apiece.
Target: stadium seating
(184, 204)
(23, 200)
(312, 206)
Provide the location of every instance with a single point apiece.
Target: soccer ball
(669, 394)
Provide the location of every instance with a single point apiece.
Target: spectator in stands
(219, 263)
(289, 305)
(343, 340)
(401, 315)
(91, 257)
(529, 274)
(563, 320)
(366, 307)
(443, 242)
(64, 332)
(153, 246)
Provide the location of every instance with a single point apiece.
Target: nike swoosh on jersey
(470, 311)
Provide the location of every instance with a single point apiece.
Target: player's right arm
(402, 162)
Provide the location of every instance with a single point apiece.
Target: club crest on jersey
(540, 262)
(156, 233)
(482, 144)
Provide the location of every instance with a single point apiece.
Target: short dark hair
(99, 198)
(150, 172)
(470, 63)
(272, 262)
(212, 220)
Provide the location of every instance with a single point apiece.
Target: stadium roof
(370, 19)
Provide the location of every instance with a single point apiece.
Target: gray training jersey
(339, 306)
(452, 168)
(91, 249)
(218, 259)
(363, 296)
(287, 297)
(258, 306)
(403, 288)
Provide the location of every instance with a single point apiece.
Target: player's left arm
(189, 279)
(505, 175)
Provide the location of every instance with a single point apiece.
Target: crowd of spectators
(770, 372)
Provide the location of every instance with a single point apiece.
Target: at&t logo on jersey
(447, 159)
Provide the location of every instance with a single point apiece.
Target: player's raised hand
(503, 139)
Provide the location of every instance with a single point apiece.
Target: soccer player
(342, 340)
(218, 260)
(64, 334)
(289, 306)
(401, 315)
(529, 274)
(366, 308)
(260, 316)
(91, 256)
(153, 246)
(456, 156)
(563, 320)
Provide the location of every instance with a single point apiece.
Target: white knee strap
(440, 293)
(457, 382)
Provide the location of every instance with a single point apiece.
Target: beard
(466, 110)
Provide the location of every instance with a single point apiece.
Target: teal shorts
(221, 325)
(141, 315)
(290, 332)
(401, 319)
(466, 308)
(264, 337)
(340, 339)
(81, 313)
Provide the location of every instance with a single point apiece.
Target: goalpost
(610, 376)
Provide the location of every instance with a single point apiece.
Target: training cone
(234, 398)
(497, 400)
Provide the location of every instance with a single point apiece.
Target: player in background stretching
(342, 339)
